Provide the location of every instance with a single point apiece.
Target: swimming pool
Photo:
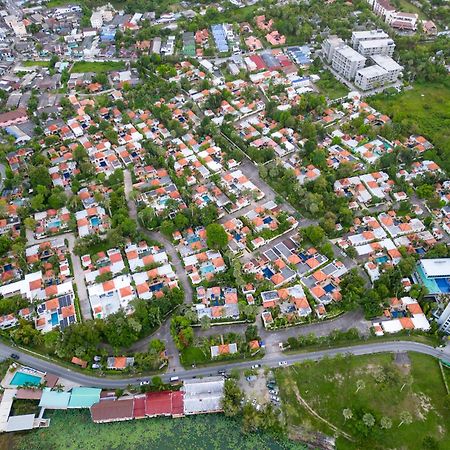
(381, 259)
(95, 221)
(22, 379)
(207, 269)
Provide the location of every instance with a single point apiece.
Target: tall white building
(330, 45)
(347, 61)
(376, 47)
(367, 35)
(392, 68)
(370, 77)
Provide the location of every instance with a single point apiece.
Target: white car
(256, 366)
(144, 382)
(282, 363)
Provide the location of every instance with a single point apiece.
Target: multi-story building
(347, 61)
(330, 45)
(444, 320)
(370, 77)
(367, 35)
(376, 47)
(393, 69)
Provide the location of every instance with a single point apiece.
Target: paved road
(270, 361)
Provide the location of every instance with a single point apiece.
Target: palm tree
(405, 417)
(369, 420)
(347, 413)
(360, 385)
(386, 423)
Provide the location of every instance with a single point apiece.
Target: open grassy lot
(75, 430)
(35, 63)
(330, 87)
(97, 67)
(193, 355)
(426, 108)
(374, 385)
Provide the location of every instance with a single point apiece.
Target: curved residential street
(269, 361)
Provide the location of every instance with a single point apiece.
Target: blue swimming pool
(267, 273)
(207, 269)
(22, 379)
(382, 259)
(54, 224)
(443, 284)
(95, 221)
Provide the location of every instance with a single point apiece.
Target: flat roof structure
(84, 397)
(203, 396)
(372, 71)
(436, 267)
(20, 423)
(386, 62)
(54, 400)
(350, 54)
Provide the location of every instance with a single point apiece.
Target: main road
(269, 361)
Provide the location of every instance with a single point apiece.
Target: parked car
(275, 398)
(256, 366)
(96, 366)
(144, 382)
(97, 358)
(282, 363)
(15, 356)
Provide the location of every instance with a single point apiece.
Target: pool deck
(13, 369)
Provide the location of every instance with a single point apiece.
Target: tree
(347, 413)
(216, 236)
(205, 323)
(368, 420)
(405, 418)
(232, 397)
(314, 234)
(157, 382)
(386, 423)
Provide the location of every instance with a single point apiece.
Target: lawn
(385, 390)
(75, 430)
(35, 63)
(193, 355)
(330, 87)
(425, 109)
(97, 67)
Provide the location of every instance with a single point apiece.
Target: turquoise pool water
(95, 221)
(55, 320)
(382, 259)
(20, 379)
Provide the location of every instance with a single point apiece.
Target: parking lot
(259, 387)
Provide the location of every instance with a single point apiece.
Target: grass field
(426, 108)
(330, 87)
(35, 63)
(97, 67)
(75, 430)
(193, 355)
(330, 386)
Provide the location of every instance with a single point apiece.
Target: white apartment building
(393, 69)
(370, 77)
(383, 8)
(330, 45)
(403, 21)
(376, 47)
(368, 35)
(347, 61)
